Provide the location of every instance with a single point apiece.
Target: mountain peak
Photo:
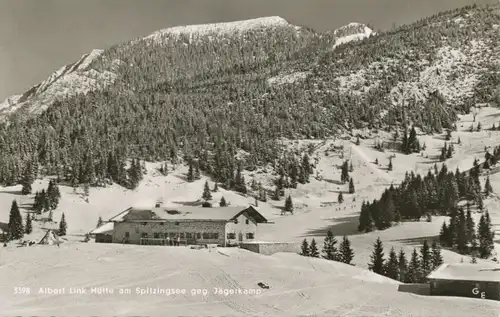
(222, 28)
(353, 31)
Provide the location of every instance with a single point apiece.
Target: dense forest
(203, 99)
(440, 192)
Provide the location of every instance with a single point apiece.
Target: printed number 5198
(22, 290)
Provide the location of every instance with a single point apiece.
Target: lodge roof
(188, 213)
(466, 272)
(106, 228)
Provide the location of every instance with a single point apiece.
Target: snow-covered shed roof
(466, 272)
(106, 228)
(187, 213)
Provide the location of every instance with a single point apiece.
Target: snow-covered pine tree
(403, 266)
(190, 174)
(425, 260)
(313, 249)
(99, 222)
(330, 251)
(223, 202)
(351, 186)
(340, 198)
(392, 265)
(437, 258)
(207, 194)
(29, 226)
(288, 204)
(16, 227)
(377, 258)
(304, 248)
(62, 226)
(413, 274)
(346, 253)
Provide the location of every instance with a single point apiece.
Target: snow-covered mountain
(78, 78)
(351, 32)
(68, 80)
(223, 28)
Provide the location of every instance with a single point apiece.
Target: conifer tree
(62, 226)
(216, 187)
(425, 260)
(222, 202)
(344, 175)
(470, 228)
(330, 251)
(358, 141)
(288, 204)
(351, 186)
(99, 222)
(207, 194)
(276, 194)
(403, 266)
(365, 219)
(473, 258)
(29, 227)
(462, 233)
(392, 265)
(389, 167)
(305, 248)
(377, 258)
(437, 258)
(346, 253)
(351, 168)
(413, 275)
(190, 175)
(487, 186)
(340, 198)
(16, 228)
(444, 235)
(305, 170)
(27, 180)
(313, 249)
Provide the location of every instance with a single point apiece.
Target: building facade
(223, 226)
(466, 280)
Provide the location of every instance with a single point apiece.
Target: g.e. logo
(475, 291)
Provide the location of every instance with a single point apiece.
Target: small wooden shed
(466, 280)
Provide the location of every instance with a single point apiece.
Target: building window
(189, 235)
(127, 234)
(198, 235)
(177, 223)
(144, 223)
(206, 235)
(215, 236)
(156, 235)
(250, 235)
(181, 235)
(236, 221)
(247, 221)
(144, 235)
(231, 236)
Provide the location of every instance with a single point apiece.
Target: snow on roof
(467, 272)
(189, 213)
(104, 229)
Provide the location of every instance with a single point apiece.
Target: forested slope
(206, 97)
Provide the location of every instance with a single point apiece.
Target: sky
(39, 36)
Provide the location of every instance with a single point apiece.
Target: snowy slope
(298, 285)
(221, 28)
(68, 80)
(351, 32)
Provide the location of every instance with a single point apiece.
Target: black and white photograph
(336, 158)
